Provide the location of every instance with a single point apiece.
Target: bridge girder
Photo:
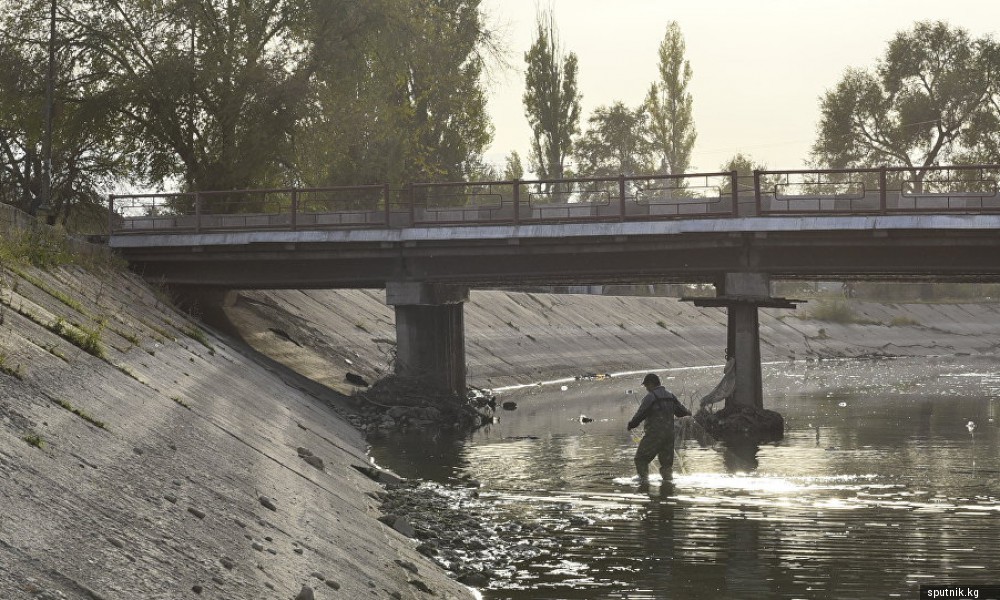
(692, 258)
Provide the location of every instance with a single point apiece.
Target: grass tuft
(17, 372)
(83, 415)
(833, 310)
(57, 294)
(88, 340)
(34, 439)
(195, 333)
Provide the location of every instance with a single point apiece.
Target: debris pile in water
(742, 423)
(396, 403)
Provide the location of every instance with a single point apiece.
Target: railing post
(883, 183)
(621, 195)
(413, 204)
(517, 201)
(734, 179)
(197, 212)
(756, 192)
(295, 208)
(388, 208)
(111, 214)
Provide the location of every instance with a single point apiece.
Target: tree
(670, 106)
(236, 94)
(616, 142)
(208, 92)
(408, 105)
(744, 165)
(83, 165)
(916, 108)
(983, 134)
(513, 169)
(551, 101)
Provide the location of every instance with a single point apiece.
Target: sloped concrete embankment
(527, 337)
(162, 462)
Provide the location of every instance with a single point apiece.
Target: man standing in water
(657, 410)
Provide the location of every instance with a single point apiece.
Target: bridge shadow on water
(880, 485)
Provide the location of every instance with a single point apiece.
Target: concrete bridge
(428, 244)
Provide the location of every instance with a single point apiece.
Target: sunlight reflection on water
(865, 500)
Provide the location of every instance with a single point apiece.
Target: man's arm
(640, 415)
(680, 410)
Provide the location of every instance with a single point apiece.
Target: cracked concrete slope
(164, 463)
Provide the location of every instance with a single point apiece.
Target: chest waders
(658, 442)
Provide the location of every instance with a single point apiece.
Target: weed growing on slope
(17, 372)
(54, 351)
(132, 338)
(83, 415)
(40, 247)
(196, 334)
(57, 294)
(34, 439)
(129, 373)
(47, 248)
(88, 340)
(178, 400)
(838, 310)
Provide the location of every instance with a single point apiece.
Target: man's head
(651, 381)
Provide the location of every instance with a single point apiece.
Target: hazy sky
(760, 66)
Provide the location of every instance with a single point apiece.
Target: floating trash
(586, 419)
(842, 404)
(564, 388)
(629, 392)
(971, 426)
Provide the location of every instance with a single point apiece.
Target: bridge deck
(937, 190)
(804, 224)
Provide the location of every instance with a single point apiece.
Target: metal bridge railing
(891, 190)
(896, 190)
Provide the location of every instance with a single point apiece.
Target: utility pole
(44, 207)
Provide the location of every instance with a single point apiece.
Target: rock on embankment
(143, 457)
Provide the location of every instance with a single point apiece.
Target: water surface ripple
(881, 484)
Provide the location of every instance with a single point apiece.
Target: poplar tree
(513, 168)
(616, 142)
(670, 105)
(551, 101)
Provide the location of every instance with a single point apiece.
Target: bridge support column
(745, 293)
(430, 332)
(744, 346)
(742, 294)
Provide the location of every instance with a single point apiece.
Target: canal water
(888, 478)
